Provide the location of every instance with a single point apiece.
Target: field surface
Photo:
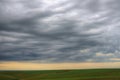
(89, 74)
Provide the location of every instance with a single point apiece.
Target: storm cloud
(60, 30)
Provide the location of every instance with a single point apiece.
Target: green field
(89, 74)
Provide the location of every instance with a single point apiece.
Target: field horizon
(60, 69)
(73, 74)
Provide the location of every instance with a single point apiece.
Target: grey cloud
(58, 31)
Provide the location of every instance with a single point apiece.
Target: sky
(57, 32)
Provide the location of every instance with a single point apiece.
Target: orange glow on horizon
(55, 66)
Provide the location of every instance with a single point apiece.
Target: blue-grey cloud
(59, 30)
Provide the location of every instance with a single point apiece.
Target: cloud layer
(60, 30)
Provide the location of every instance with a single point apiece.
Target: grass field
(89, 74)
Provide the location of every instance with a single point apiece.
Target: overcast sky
(50, 31)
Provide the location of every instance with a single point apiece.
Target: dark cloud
(59, 30)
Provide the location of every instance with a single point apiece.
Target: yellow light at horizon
(54, 66)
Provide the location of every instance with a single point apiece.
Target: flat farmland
(86, 74)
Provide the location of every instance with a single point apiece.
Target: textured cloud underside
(60, 30)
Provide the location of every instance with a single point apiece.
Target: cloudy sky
(60, 31)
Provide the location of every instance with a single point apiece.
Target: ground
(87, 74)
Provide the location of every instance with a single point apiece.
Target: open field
(89, 74)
